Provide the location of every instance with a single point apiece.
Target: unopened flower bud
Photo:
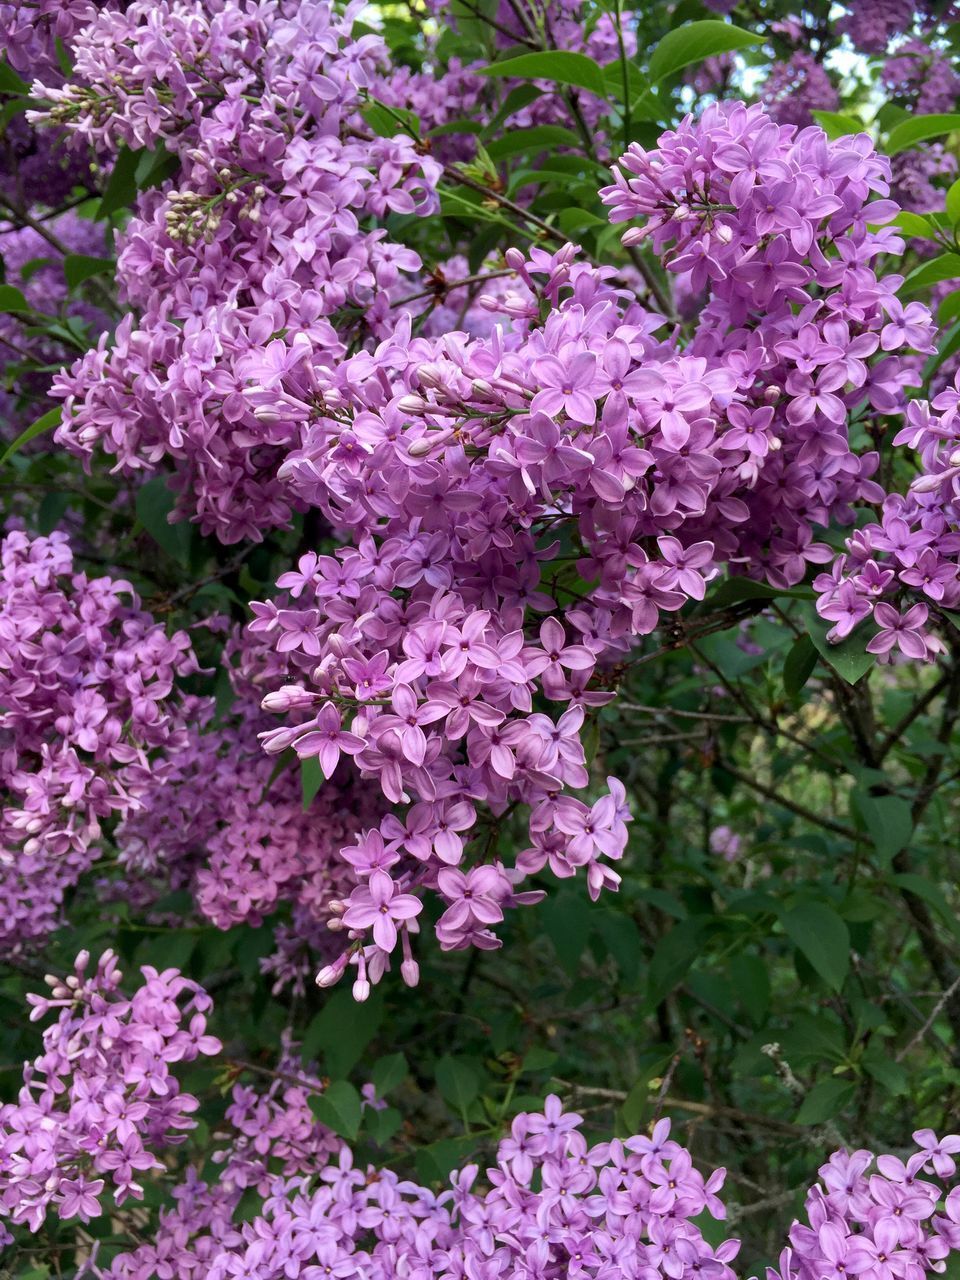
(929, 484)
(330, 974)
(289, 697)
(426, 444)
(361, 990)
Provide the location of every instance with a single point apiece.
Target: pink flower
(378, 904)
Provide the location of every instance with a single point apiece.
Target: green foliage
(46, 422)
(694, 42)
(556, 67)
(785, 992)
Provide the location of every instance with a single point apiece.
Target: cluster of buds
(190, 216)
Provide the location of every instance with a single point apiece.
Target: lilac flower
(901, 630)
(325, 738)
(57, 1140)
(566, 387)
(379, 905)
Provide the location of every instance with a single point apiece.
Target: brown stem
(800, 810)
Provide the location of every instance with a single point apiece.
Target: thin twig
(935, 1012)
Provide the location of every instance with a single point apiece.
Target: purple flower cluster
(555, 1206)
(923, 76)
(35, 267)
(793, 90)
(102, 1093)
(31, 31)
(468, 472)
(86, 678)
(872, 24)
(273, 1129)
(219, 823)
(878, 1217)
(901, 570)
(38, 167)
(102, 1097)
(264, 242)
(913, 177)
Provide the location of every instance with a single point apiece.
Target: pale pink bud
(289, 697)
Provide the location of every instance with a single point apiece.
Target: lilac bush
(453, 450)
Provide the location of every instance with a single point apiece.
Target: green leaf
(388, 1072)
(153, 166)
(849, 657)
(836, 125)
(888, 820)
(338, 1107)
(799, 664)
(78, 267)
(454, 127)
(17, 106)
(822, 937)
(886, 1072)
(52, 506)
(311, 779)
(458, 1079)
(382, 119)
(644, 106)
(65, 332)
(540, 138)
(825, 1100)
(515, 101)
(692, 43)
(154, 504)
(466, 203)
(944, 267)
(342, 1030)
(30, 269)
(915, 224)
(918, 129)
(63, 58)
(539, 1059)
(634, 1106)
(49, 420)
(948, 345)
(559, 66)
(733, 590)
(953, 203)
(933, 896)
(567, 921)
(436, 1161)
(672, 958)
(121, 189)
(751, 979)
(10, 82)
(12, 299)
(382, 1124)
(574, 220)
